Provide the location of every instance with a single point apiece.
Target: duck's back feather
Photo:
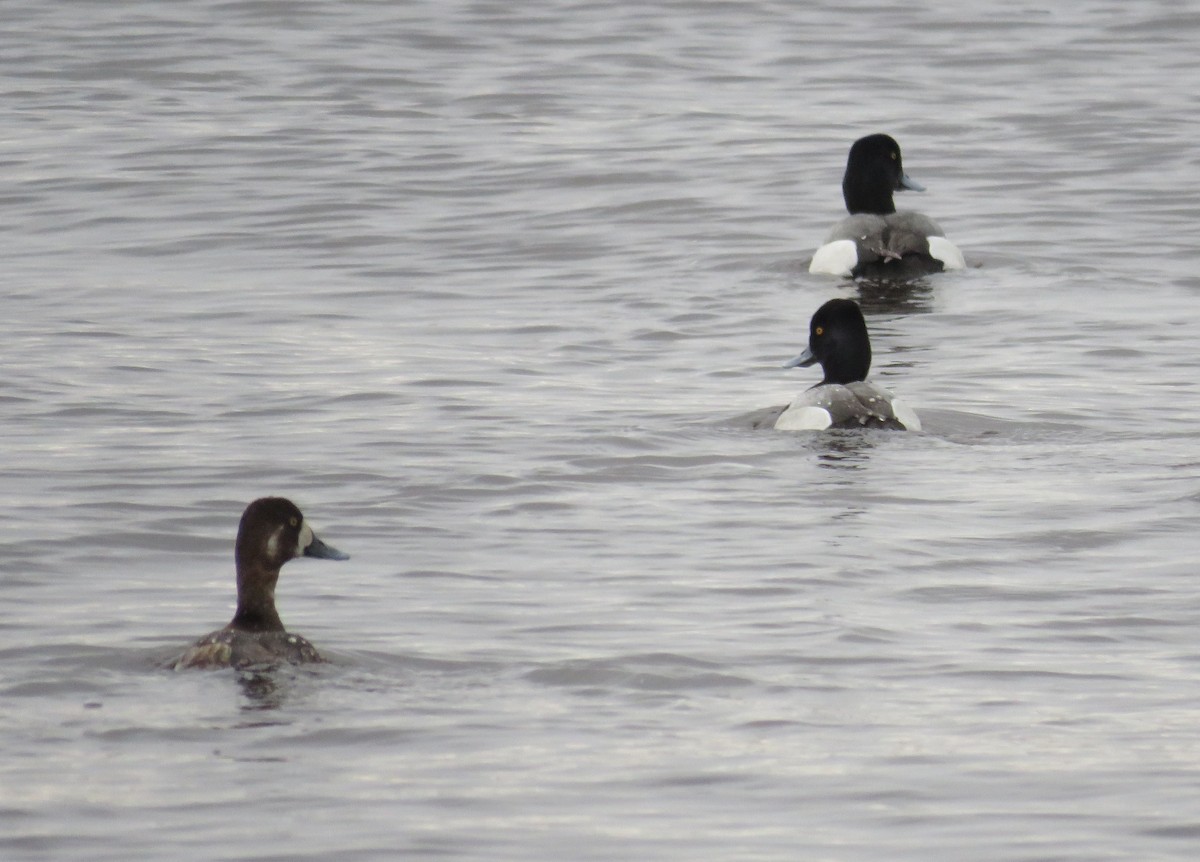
(240, 649)
(898, 245)
(852, 405)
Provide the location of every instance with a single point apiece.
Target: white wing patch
(907, 416)
(835, 258)
(803, 417)
(947, 252)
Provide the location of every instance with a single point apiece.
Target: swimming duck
(272, 531)
(874, 240)
(837, 338)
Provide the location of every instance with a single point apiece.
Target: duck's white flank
(947, 252)
(835, 258)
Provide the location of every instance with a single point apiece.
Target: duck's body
(838, 340)
(272, 531)
(875, 241)
(230, 647)
(852, 405)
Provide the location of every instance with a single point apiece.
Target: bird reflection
(261, 690)
(842, 449)
(269, 688)
(894, 296)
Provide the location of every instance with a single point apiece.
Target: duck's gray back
(856, 227)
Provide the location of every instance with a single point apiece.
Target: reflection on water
(270, 688)
(898, 296)
(261, 690)
(845, 449)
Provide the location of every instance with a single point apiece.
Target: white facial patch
(273, 543)
(306, 538)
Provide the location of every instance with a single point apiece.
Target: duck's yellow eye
(293, 520)
(895, 155)
(820, 330)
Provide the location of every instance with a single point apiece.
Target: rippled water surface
(490, 290)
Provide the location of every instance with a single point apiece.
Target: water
(488, 290)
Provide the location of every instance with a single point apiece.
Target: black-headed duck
(837, 338)
(875, 241)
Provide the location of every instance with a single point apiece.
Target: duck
(838, 340)
(272, 532)
(875, 241)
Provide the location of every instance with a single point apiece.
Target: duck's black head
(838, 340)
(874, 170)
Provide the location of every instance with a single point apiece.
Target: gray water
(488, 289)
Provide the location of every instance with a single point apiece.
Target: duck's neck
(848, 367)
(256, 600)
(868, 193)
